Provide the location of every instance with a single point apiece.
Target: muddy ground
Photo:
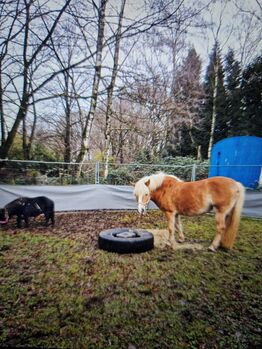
(85, 226)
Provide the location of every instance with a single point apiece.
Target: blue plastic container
(239, 158)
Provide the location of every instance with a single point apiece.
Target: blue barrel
(239, 158)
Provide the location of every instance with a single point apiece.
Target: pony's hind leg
(171, 227)
(53, 218)
(49, 215)
(221, 228)
(179, 229)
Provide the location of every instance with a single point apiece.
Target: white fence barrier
(101, 197)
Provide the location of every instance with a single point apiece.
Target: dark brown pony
(175, 197)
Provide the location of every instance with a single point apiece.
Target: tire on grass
(124, 240)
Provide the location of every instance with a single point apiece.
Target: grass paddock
(58, 290)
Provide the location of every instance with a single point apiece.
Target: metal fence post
(97, 177)
(193, 174)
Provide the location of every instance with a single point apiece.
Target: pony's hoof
(211, 248)
(181, 240)
(172, 244)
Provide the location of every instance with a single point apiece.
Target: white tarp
(100, 197)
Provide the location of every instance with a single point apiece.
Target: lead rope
(139, 219)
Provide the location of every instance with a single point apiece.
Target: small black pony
(25, 207)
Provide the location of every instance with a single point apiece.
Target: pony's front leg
(221, 228)
(19, 221)
(171, 227)
(179, 228)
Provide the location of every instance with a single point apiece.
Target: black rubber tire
(109, 240)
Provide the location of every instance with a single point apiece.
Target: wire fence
(23, 172)
(61, 173)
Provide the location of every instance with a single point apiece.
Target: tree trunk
(214, 111)
(111, 87)
(68, 126)
(84, 150)
(199, 156)
(2, 117)
(32, 135)
(24, 138)
(4, 149)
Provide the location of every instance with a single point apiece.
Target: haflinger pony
(176, 197)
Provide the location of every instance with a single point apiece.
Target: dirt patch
(161, 241)
(85, 226)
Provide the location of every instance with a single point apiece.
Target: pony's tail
(232, 221)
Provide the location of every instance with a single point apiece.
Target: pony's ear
(132, 184)
(147, 183)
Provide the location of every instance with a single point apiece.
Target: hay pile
(161, 240)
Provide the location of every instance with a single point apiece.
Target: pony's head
(142, 193)
(143, 189)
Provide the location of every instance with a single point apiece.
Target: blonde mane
(156, 181)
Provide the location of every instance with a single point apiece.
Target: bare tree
(214, 109)
(31, 50)
(6, 21)
(97, 77)
(216, 31)
(248, 30)
(110, 88)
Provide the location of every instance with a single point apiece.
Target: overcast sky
(239, 29)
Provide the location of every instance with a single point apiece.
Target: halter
(142, 206)
(144, 203)
(142, 195)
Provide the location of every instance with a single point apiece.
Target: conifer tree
(251, 90)
(233, 95)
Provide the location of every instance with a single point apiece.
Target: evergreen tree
(251, 90)
(233, 95)
(215, 102)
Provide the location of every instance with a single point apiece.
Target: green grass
(60, 293)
